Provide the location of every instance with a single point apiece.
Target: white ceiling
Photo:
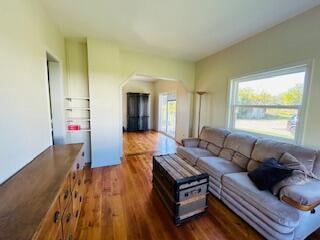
(187, 29)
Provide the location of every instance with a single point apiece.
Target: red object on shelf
(73, 127)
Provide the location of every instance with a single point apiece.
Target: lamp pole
(200, 93)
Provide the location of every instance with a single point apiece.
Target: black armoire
(137, 110)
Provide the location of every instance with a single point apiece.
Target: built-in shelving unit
(77, 114)
(76, 100)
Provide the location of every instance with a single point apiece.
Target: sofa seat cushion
(260, 226)
(307, 194)
(316, 167)
(215, 187)
(217, 167)
(191, 154)
(267, 207)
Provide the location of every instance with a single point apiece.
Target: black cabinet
(138, 112)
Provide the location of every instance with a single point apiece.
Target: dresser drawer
(68, 223)
(65, 193)
(51, 226)
(78, 194)
(73, 179)
(76, 168)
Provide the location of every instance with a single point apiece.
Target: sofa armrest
(190, 142)
(305, 197)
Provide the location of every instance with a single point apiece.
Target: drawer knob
(56, 217)
(66, 194)
(68, 218)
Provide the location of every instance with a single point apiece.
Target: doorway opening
(167, 113)
(55, 100)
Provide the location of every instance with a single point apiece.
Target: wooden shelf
(77, 98)
(78, 108)
(77, 131)
(78, 120)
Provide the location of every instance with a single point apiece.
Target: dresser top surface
(27, 196)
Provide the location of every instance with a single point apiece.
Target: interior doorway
(56, 98)
(167, 113)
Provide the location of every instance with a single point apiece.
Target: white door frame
(56, 98)
(167, 112)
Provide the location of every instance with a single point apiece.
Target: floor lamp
(200, 93)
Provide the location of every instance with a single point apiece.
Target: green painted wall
(159, 67)
(109, 68)
(291, 42)
(26, 35)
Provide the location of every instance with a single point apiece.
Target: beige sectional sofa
(227, 157)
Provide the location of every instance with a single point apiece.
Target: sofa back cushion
(215, 150)
(241, 160)
(226, 153)
(267, 148)
(241, 143)
(203, 144)
(215, 136)
(239, 147)
(316, 167)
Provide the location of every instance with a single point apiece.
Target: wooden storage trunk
(181, 187)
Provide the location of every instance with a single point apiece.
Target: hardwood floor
(147, 142)
(120, 202)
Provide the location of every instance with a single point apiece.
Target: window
(269, 103)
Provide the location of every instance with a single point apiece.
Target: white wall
(291, 42)
(26, 34)
(109, 67)
(104, 88)
(77, 68)
(138, 86)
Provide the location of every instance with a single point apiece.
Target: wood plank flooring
(120, 202)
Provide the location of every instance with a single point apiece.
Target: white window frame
(232, 96)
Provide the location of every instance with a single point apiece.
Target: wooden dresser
(43, 200)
